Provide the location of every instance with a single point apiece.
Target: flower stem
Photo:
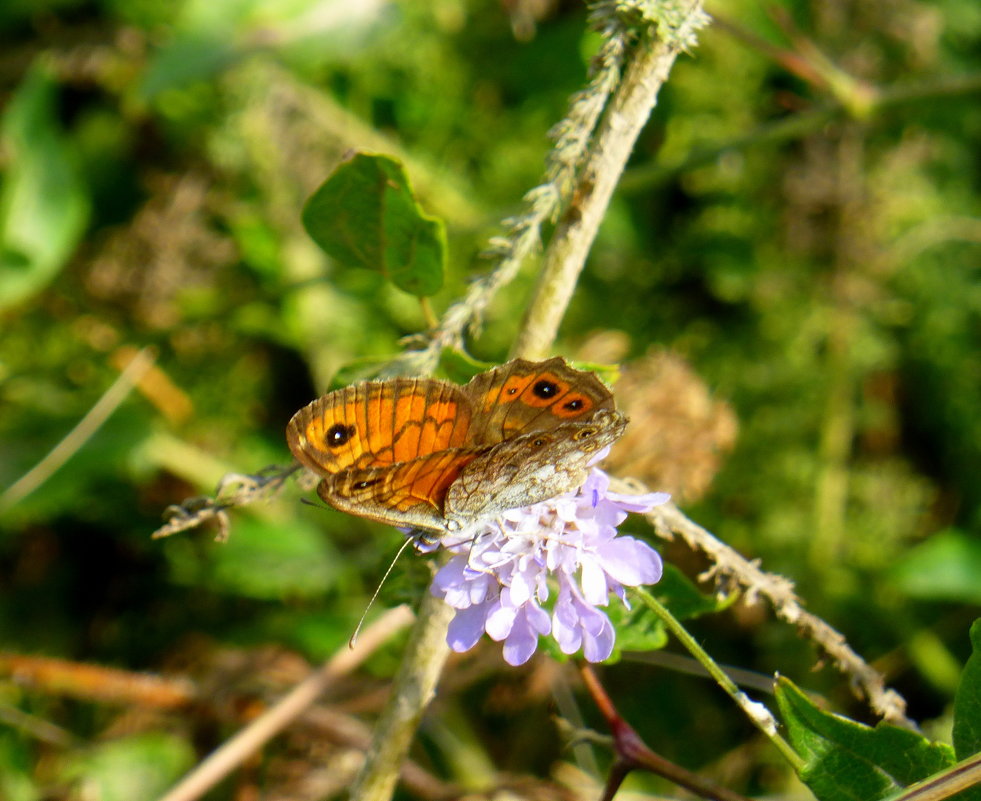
(634, 754)
(415, 685)
(759, 715)
(629, 110)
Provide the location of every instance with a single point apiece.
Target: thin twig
(543, 202)
(82, 432)
(632, 753)
(758, 714)
(42, 730)
(233, 490)
(233, 752)
(415, 684)
(945, 784)
(96, 682)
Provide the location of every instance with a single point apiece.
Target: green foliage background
(800, 221)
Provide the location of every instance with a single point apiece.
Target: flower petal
(466, 627)
(630, 561)
(500, 621)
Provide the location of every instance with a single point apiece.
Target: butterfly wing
(531, 467)
(523, 396)
(410, 493)
(379, 423)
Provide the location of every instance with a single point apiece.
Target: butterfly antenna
(354, 637)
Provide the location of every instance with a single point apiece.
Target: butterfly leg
(490, 569)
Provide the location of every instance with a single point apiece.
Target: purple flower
(503, 571)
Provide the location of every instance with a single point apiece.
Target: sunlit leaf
(846, 760)
(43, 204)
(967, 702)
(365, 215)
(946, 566)
(682, 598)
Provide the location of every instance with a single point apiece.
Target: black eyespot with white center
(339, 434)
(574, 405)
(360, 485)
(545, 389)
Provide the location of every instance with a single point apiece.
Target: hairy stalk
(729, 565)
(420, 669)
(630, 107)
(542, 203)
(566, 255)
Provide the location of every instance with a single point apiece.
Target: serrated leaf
(365, 215)
(848, 761)
(967, 702)
(44, 206)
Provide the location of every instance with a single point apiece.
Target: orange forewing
(411, 493)
(379, 423)
(391, 450)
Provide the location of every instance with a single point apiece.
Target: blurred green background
(799, 223)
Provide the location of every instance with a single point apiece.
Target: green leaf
(944, 567)
(261, 559)
(967, 702)
(638, 629)
(142, 766)
(460, 367)
(43, 205)
(365, 215)
(682, 598)
(848, 761)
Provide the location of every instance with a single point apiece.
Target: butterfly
(439, 457)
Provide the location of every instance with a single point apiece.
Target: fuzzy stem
(629, 110)
(414, 688)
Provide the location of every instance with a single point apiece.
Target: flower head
(498, 578)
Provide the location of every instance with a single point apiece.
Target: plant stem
(248, 741)
(565, 257)
(628, 111)
(414, 688)
(758, 714)
(946, 784)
